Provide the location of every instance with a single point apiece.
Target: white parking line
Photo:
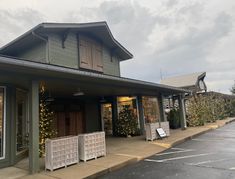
(232, 168)
(175, 152)
(178, 158)
(176, 148)
(227, 130)
(205, 162)
(212, 140)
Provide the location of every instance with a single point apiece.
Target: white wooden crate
(150, 130)
(91, 145)
(165, 126)
(61, 152)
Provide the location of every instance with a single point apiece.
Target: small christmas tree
(46, 117)
(127, 123)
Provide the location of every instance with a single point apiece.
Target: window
(2, 122)
(151, 110)
(131, 102)
(90, 53)
(21, 121)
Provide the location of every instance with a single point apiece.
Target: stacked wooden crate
(61, 152)
(91, 145)
(100, 144)
(165, 126)
(150, 130)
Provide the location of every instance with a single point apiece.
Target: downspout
(47, 45)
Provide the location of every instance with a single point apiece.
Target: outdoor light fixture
(78, 93)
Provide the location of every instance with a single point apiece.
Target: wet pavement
(210, 156)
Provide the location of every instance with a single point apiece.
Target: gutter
(47, 44)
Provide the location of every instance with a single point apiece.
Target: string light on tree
(46, 118)
(127, 122)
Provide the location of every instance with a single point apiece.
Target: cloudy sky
(166, 37)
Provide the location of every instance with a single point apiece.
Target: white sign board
(161, 132)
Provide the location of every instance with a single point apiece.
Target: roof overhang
(45, 71)
(98, 29)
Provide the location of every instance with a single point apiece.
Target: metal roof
(97, 29)
(42, 68)
(184, 80)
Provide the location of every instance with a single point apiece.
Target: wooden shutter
(85, 52)
(97, 57)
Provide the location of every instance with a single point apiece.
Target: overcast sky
(166, 37)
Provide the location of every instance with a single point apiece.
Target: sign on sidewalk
(161, 132)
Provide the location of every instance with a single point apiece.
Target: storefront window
(151, 109)
(106, 114)
(131, 103)
(2, 122)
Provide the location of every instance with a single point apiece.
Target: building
(193, 82)
(79, 66)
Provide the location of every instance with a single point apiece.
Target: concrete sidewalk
(120, 152)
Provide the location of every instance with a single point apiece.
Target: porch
(62, 84)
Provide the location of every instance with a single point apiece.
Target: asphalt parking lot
(210, 156)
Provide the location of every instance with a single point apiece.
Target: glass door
(22, 125)
(106, 117)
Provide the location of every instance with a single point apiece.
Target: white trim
(4, 123)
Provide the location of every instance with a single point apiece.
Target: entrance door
(69, 123)
(22, 123)
(106, 116)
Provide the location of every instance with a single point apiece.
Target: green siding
(67, 56)
(111, 64)
(35, 53)
(54, 53)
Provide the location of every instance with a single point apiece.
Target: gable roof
(97, 29)
(184, 80)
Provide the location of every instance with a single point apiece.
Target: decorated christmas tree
(46, 117)
(127, 122)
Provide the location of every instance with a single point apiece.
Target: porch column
(141, 114)
(34, 128)
(182, 112)
(115, 115)
(161, 109)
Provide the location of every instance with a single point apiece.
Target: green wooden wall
(54, 53)
(36, 53)
(58, 55)
(111, 64)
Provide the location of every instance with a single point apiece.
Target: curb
(232, 120)
(113, 168)
(189, 137)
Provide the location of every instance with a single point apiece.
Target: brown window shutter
(85, 51)
(97, 57)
